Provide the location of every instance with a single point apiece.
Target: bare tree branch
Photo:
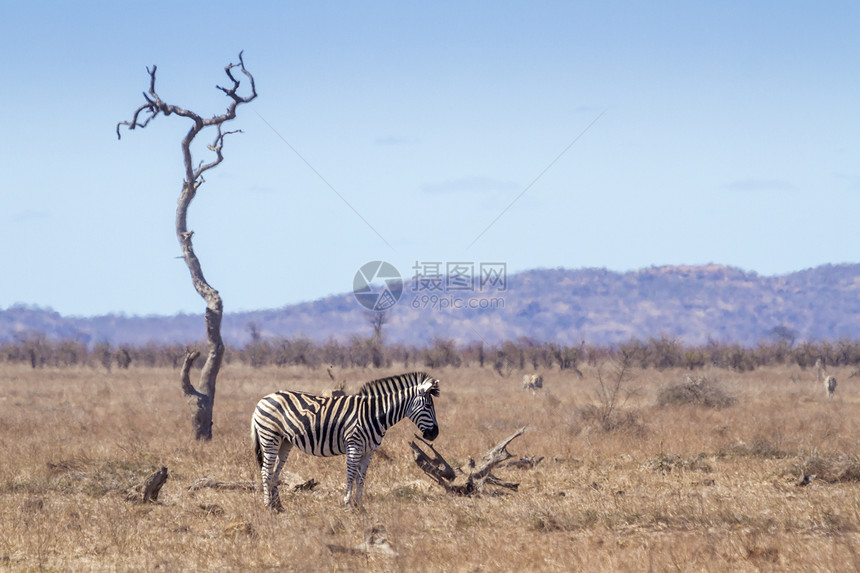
(184, 374)
(436, 467)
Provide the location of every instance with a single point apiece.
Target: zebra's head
(421, 410)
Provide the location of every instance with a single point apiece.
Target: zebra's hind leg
(283, 453)
(274, 456)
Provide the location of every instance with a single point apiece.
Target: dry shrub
(766, 447)
(702, 391)
(831, 468)
(614, 421)
(549, 520)
(665, 463)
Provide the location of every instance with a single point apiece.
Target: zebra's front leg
(363, 463)
(353, 461)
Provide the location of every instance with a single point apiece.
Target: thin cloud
(261, 189)
(589, 109)
(474, 184)
(28, 215)
(394, 140)
(753, 185)
(852, 181)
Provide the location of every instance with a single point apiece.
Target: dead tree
(202, 400)
(377, 320)
(471, 480)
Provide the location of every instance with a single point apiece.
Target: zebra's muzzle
(431, 434)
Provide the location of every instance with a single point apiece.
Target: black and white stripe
(331, 426)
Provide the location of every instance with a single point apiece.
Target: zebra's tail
(258, 450)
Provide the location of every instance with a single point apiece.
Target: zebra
(330, 426)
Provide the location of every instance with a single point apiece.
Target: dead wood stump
(470, 480)
(148, 491)
(152, 485)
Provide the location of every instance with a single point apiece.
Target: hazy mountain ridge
(691, 303)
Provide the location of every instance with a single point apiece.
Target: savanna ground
(660, 488)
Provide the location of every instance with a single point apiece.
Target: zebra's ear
(429, 385)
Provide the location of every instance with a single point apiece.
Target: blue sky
(725, 133)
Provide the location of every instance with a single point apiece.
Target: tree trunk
(202, 401)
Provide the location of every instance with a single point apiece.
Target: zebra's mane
(392, 384)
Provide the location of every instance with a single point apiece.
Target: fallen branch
(205, 482)
(306, 486)
(200, 483)
(376, 544)
(525, 463)
(470, 481)
(436, 467)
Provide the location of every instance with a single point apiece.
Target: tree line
(522, 354)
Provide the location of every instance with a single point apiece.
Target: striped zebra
(331, 426)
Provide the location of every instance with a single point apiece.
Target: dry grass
(685, 488)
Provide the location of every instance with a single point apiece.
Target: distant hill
(692, 304)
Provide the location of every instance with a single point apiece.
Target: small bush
(615, 421)
(695, 390)
(665, 463)
(832, 468)
(766, 447)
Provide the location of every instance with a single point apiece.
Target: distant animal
(829, 381)
(330, 426)
(338, 390)
(532, 382)
(830, 386)
(334, 392)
